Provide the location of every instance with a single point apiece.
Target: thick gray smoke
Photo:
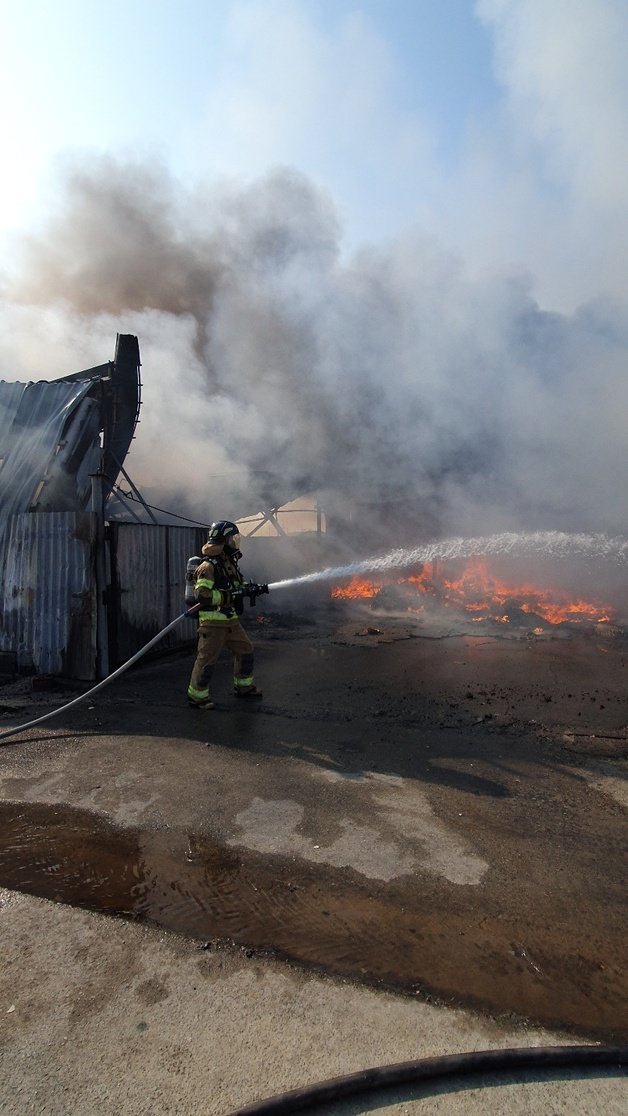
(392, 383)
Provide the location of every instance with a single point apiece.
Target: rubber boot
(247, 692)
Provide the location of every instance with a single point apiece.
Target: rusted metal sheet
(50, 442)
(49, 445)
(48, 593)
(148, 575)
(48, 590)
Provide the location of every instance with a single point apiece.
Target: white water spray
(551, 544)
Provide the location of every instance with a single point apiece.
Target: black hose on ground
(105, 682)
(452, 1070)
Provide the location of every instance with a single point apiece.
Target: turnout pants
(212, 637)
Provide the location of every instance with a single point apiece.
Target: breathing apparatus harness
(250, 590)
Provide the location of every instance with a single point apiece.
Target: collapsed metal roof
(55, 434)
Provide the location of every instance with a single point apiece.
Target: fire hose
(449, 1072)
(105, 682)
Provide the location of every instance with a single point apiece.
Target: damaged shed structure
(63, 569)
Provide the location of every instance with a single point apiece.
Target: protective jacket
(218, 578)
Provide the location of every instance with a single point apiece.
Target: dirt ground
(412, 845)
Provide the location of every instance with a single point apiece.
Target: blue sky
(494, 125)
(171, 80)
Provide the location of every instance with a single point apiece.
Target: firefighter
(220, 588)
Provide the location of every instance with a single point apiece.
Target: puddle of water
(68, 856)
(410, 941)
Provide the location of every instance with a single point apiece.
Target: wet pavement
(441, 817)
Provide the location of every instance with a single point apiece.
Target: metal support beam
(98, 510)
(269, 516)
(135, 490)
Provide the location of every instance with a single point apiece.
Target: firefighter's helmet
(224, 532)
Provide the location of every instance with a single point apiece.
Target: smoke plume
(402, 389)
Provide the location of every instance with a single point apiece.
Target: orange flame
(480, 592)
(357, 588)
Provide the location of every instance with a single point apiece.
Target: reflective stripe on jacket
(213, 582)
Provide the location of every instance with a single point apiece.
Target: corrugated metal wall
(48, 592)
(148, 585)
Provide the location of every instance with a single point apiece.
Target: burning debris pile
(470, 590)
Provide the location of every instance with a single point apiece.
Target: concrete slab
(101, 1016)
